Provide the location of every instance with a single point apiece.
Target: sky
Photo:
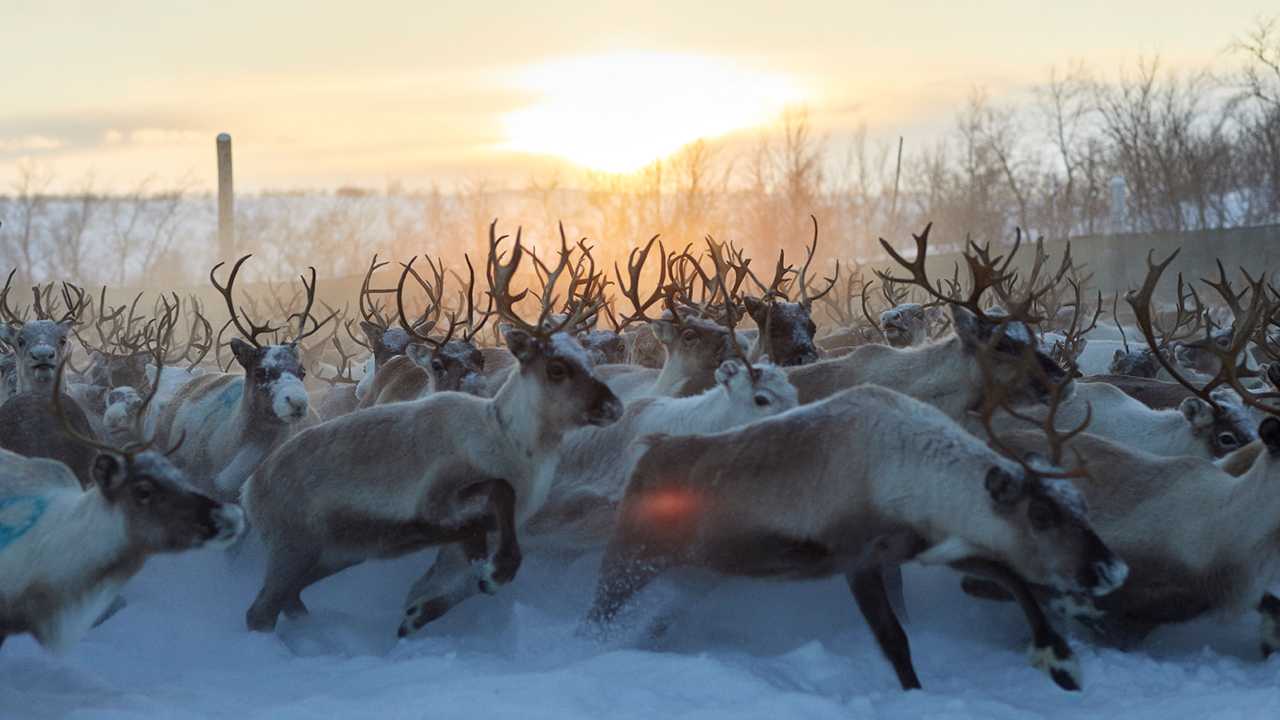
(318, 94)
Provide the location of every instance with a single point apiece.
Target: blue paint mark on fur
(18, 515)
(230, 394)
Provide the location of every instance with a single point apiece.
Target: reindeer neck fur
(675, 375)
(63, 583)
(941, 373)
(515, 411)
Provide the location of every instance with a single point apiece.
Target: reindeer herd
(681, 412)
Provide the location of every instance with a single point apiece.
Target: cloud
(30, 143)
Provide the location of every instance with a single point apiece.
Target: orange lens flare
(668, 505)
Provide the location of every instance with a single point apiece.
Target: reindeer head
(604, 346)
(1140, 362)
(121, 415)
(112, 371)
(385, 343)
(1225, 425)
(905, 325)
(456, 366)
(762, 389)
(693, 341)
(161, 511)
(274, 374)
(787, 330)
(1051, 539)
(1007, 355)
(274, 377)
(558, 376)
(38, 347)
(563, 374)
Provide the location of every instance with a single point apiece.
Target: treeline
(1186, 150)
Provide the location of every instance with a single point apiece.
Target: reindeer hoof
(1057, 660)
(1270, 631)
(260, 621)
(417, 615)
(984, 589)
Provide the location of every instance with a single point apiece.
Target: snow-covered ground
(746, 650)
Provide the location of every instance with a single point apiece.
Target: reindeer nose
(43, 353)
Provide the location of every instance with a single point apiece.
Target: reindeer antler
(1228, 357)
(254, 330)
(804, 269)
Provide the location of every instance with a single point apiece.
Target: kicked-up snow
(740, 650)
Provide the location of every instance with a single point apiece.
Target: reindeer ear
(9, 332)
(1197, 412)
(727, 371)
(245, 353)
(1269, 432)
(420, 354)
(1273, 374)
(521, 344)
(1004, 487)
(968, 327)
(107, 473)
(372, 333)
(664, 330)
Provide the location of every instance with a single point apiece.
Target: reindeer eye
(762, 400)
(142, 492)
(436, 365)
(689, 336)
(1228, 440)
(1042, 515)
(22, 342)
(557, 371)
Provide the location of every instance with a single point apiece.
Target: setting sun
(620, 112)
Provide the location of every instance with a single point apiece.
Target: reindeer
(786, 328)
(40, 344)
(232, 422)
(383, 341)
(67, 551)
(906, 325)
(863, 480)
(1207, 425)
(449, 468)
(1201, 537)
(695, 343)
(432, 364)
(593, 468)
(945, 372)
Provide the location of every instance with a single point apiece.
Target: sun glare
(621, 112)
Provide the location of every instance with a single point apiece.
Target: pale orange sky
(372, 91)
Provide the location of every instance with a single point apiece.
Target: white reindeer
(232, 422)
(450, 468)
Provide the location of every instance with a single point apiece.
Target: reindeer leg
(624, 572)
(287, 574)
(984, 589)
(1270, 609)
(1050, 652)
(498, 567)
(447, 583)
(873, 599)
